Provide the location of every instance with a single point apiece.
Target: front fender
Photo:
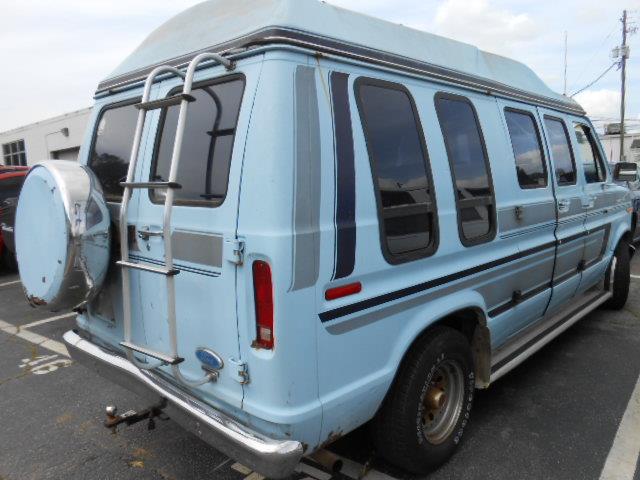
(618, 231)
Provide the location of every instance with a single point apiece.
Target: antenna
(566, 48)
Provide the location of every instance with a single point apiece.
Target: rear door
(203, 223)
(570, 230)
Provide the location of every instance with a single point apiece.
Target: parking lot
(570, 412)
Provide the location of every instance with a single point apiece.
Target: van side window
(111, 147)
(205, 158)
(470, 169)
(594, 170)
(399, 164)
(527, 149)
(561, 152)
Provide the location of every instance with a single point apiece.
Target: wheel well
(628, 237)
(472, 323)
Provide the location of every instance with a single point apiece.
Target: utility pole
(624, 54)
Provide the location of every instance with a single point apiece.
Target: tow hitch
(131, 417)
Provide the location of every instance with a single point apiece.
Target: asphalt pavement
(566, 413)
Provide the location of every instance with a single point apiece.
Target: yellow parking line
(623, 457)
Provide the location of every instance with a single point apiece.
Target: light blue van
(290, 220)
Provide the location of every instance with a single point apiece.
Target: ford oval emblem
(210, 360)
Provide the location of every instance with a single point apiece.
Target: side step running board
(173, 185)
(149, 268)
(165, 102)
(153, 354)
(534, 339)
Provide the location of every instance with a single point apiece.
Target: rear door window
(527, 149)
(400, 168)
(111, 147)
(205, 158)
(561, 153)
(470, 169)
(594, 169)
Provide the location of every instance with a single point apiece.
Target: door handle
(589, 202)
(147, 233)
(564, 205)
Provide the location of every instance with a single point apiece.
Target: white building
(611, 145)
(58, 138)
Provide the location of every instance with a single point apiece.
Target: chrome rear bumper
(272, 458)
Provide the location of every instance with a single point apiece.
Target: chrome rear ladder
(171, 185)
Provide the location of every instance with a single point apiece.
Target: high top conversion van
(290, 220)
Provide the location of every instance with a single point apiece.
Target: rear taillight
(263, 296)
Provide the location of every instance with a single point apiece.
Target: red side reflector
(343, 291)
(263, 297)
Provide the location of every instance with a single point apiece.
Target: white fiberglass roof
(217, 22)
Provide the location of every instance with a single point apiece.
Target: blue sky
(55, 53)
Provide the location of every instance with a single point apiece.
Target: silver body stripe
(533, 214)
(484, 282)
(200, 248)
(306, 200)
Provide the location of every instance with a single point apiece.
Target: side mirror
(625, 172)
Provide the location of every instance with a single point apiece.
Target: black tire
(618, 277)
(399, 430)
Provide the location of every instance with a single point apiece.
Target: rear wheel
(424, 415)
(618, 277)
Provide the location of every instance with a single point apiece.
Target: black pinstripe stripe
(438, 282)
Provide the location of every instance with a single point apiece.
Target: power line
(596, 80)
(596, 52)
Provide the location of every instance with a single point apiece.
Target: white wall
(44, 138)
(611, 145)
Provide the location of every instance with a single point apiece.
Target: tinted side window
(205, 158)
(527, 149)
(561, 152)
(399, 164)
(469, 167)
(112, 143)
(594, 170)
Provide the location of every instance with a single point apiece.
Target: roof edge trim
(326, 45)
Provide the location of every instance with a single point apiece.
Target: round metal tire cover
(62, 234)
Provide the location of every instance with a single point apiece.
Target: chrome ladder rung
(165, 102)
(159, 185)
(149, 268)
(169, 360)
